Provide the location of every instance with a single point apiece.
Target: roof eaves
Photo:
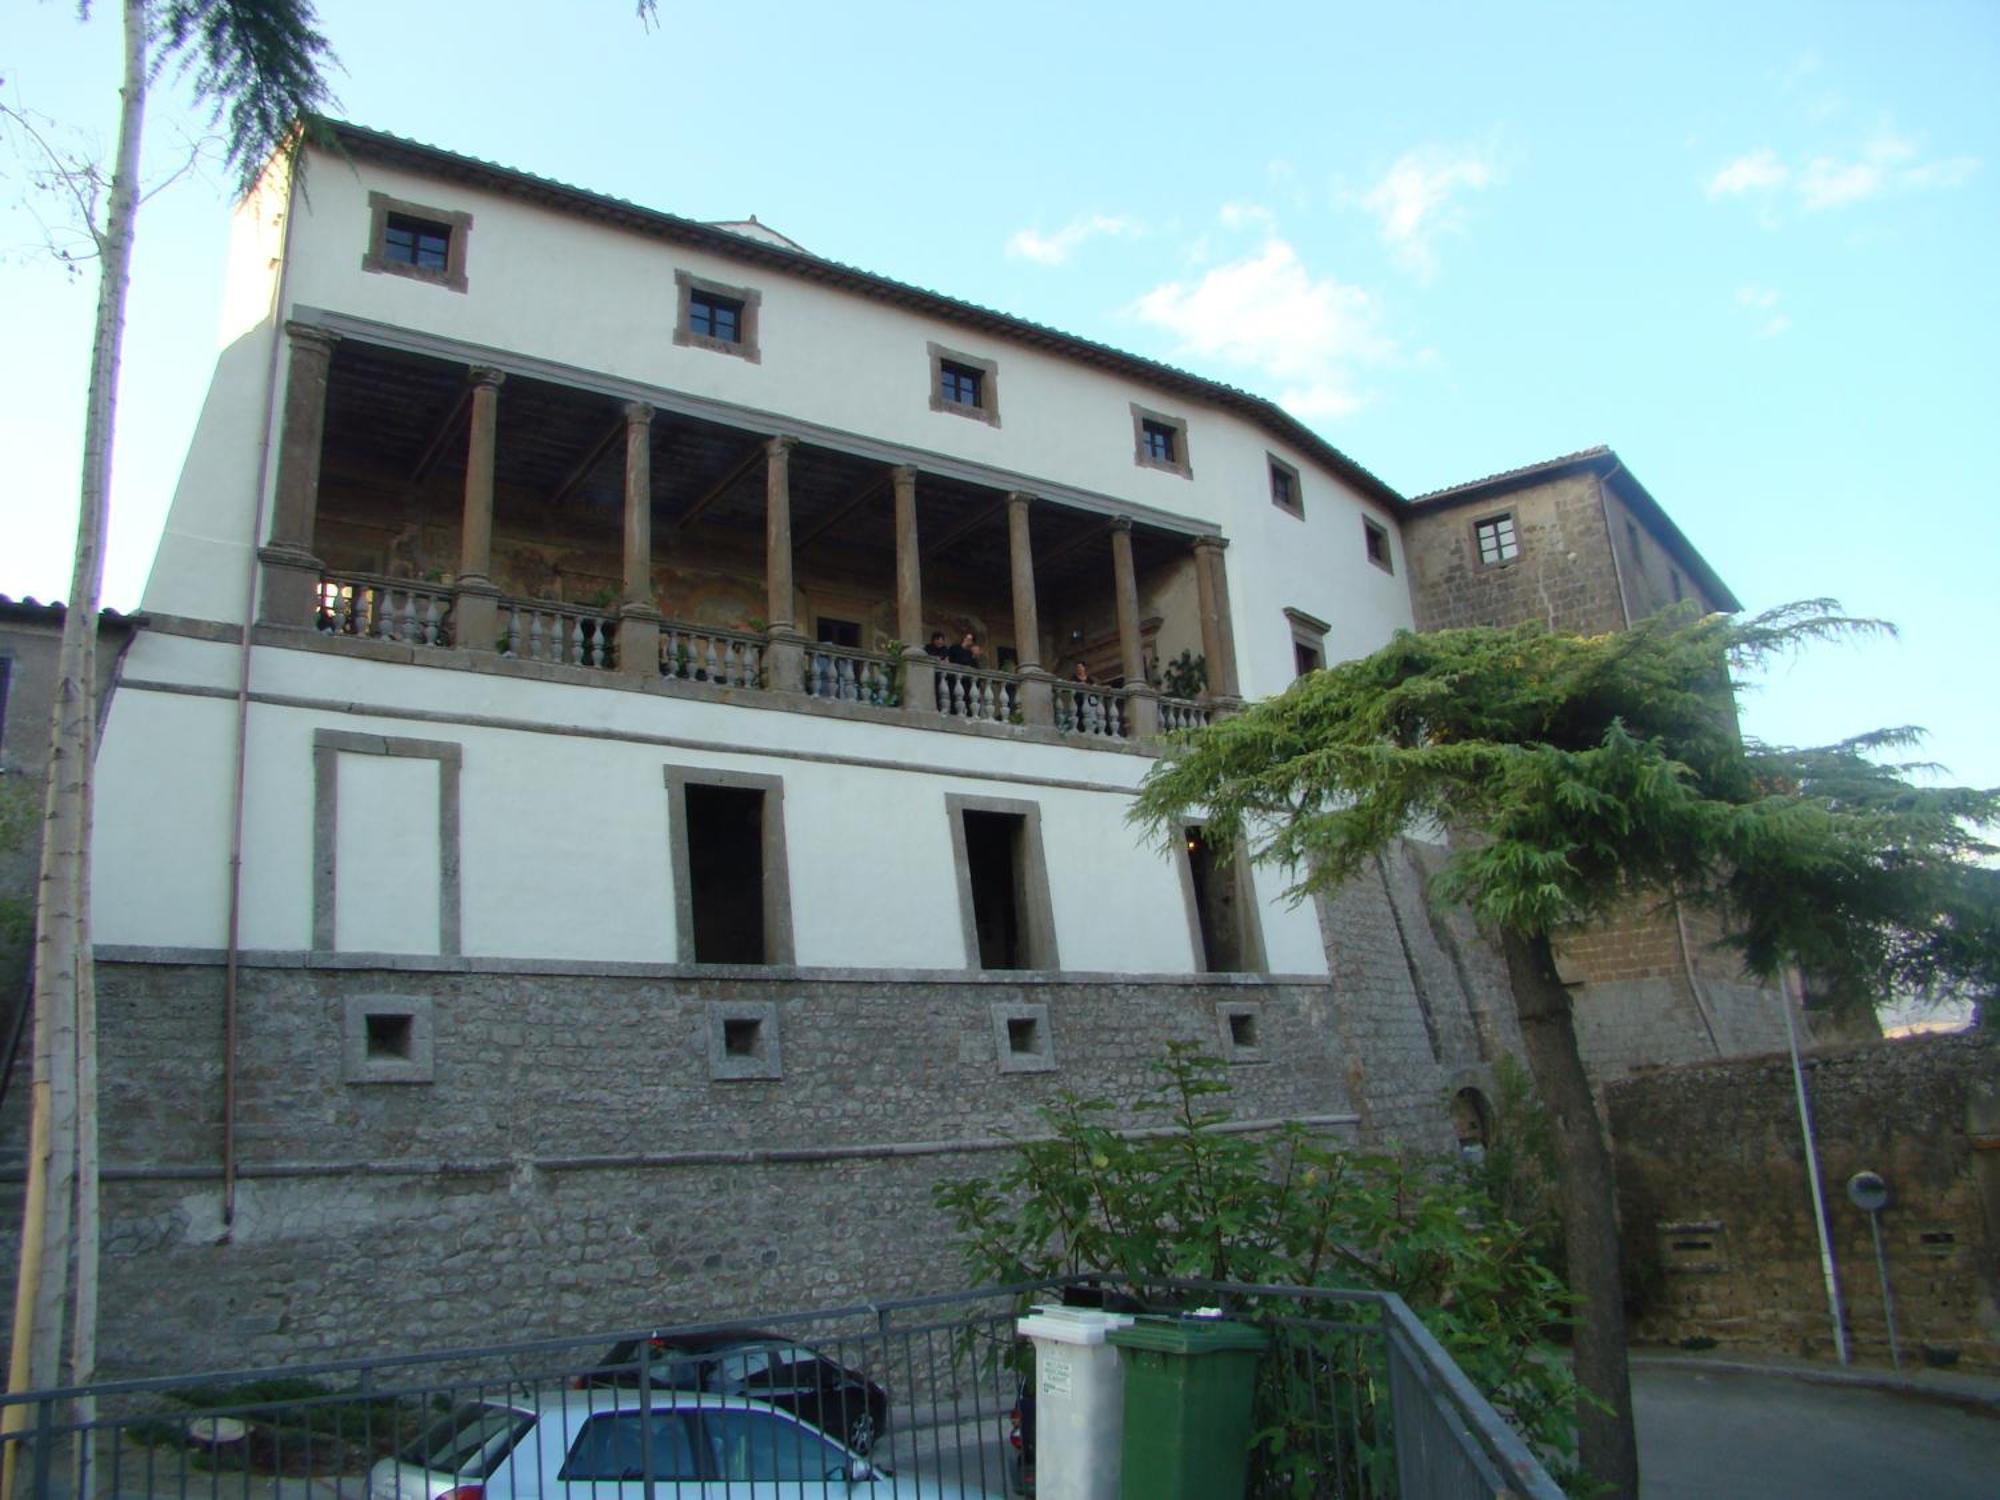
(415, 156)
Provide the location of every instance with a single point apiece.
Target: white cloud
(1054, 249)
(1419, 198)
(1749, 173)
(1886, 163)
(1268, 313)
(1762, 304)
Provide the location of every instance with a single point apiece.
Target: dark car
(761, 1366)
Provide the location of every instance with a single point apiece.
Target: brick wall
(1564, 576)
(1717, 1214)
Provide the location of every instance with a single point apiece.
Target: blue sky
(1752, 248)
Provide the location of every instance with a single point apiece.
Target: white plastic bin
(1079, 1402)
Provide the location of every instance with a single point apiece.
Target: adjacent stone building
(633, 920)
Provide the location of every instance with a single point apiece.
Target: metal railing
(914, 1397)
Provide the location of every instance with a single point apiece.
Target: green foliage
(1595, 768)
(262, 65)
(1187, 676)
(1519, 1172)
(1193, 1199)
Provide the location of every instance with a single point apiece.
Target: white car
(600, 1444)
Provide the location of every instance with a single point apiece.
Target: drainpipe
(1826, 1265)
(232, 942)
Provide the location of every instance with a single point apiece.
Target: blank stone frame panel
(385, 844)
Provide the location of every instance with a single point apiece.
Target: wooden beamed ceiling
(403, 417)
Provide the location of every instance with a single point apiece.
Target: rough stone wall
(572, 1165)
(1564, 576)
(1717, 1210)
(1421, 1002)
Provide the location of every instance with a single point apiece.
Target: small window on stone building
(716, 317)
(1472, 1118)
(732, 902)
(1003, 883)
(1496, 539)
(410, 239)
(1286, 493)
(832, 632)
(1375, 537)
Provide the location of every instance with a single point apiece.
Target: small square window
(1285, 489)
(1160, 441)
(1308, 641)
(713, 316)
(416, 242)
(1240, 1025)
(964, 385)
(1375, 537)
(1497, 540)
(716, 317)
(743, 1041)
(409, 239)
(1021, 1039)
(386, 1039)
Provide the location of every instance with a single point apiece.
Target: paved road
(1729, 1435)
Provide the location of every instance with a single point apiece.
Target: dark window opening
(390, 1037)
(1306, 658)
(834, 632)
(1021, 1036)
(1243, 1030)
(1218, 916)
(1157, 441)
(1472, 1120)
(993, 851)
(1377, 542)
(725, 848)
(740, 1038)
(715, 317)
(961, 385)
(1497, 540)
(1285, 488)
(416, 242)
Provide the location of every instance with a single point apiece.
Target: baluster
(843, 679)
(959, 702)
(1117, 724)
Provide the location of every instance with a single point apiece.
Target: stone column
(1206, 556)
(784, 655)
(1222, 666)
(1038, 697)
(638, 617)
(919, 670)
(291, 572)
(1142, 700)
(476, 608)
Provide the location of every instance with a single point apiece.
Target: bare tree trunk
(1607, 1444)
(60, 1215)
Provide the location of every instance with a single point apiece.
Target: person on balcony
(966, 652)
(1080, 674)
(937, 648)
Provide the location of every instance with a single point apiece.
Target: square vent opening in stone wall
(1694, 1247)
(1022, 1040)
(743, 1041)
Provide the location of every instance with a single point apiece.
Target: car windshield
(468, 1442)
(760, 1446)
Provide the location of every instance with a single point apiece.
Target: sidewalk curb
(1979, 1394)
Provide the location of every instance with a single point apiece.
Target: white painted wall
(386, 855)
(564, 844)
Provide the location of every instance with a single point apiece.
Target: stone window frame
(1296, 506)
(1181, 465)
(746, 347)
(1307, 630)
(1228, 1015)
(1037, 912)
(988, 370)
(1254, 958)
(457, 222)
(1511, 519)
(357, 1065)
(1006, 1015)
(766, 1063)
(328, 746)
(1375, 543)
(778, 949)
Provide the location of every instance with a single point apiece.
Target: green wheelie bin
(1189, 1383)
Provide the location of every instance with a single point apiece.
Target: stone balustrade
(849, 676)
(972, 693)
(559, 634)
(727, 658)
(1093, 712)
(384, 609)
(1183, 713)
